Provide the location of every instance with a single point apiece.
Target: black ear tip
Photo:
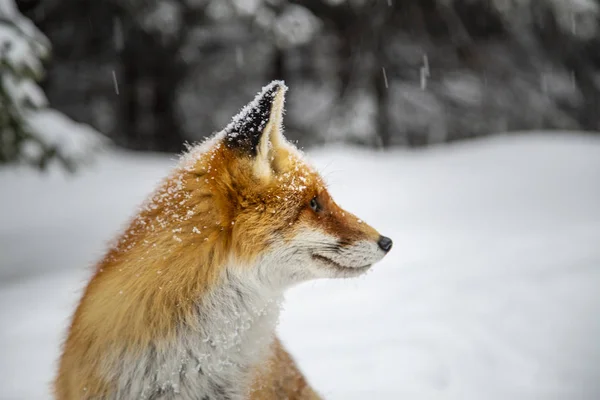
(270, 91)
(277, 85)
(245, 129)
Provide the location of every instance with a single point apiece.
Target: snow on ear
(256, 130)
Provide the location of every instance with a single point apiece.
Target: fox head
(275, 214)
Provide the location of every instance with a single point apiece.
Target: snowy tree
(31, 132)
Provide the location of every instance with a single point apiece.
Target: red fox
(185, 304)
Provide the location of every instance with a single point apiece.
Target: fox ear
(257, 129)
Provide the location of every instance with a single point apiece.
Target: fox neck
(237, 322)
(237, 319)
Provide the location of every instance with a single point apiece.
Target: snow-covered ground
(492, 290)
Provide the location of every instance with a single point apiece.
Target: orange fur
(172, 254)
(280, 378)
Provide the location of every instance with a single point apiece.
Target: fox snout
(385, 243)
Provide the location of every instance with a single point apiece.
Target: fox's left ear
(257, 130)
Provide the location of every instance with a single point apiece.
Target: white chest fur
(215, 359)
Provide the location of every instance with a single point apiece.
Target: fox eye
(314, 204)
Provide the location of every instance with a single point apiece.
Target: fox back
(184, 305)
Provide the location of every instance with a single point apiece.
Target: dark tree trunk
(167, 131)
(582, 60)
(127, 125)
(278, 64)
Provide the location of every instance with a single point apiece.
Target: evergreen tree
(30, 132)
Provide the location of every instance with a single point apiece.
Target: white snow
(295, 26)
(22, 45)
(22, 48)
(247, 7)
(490, 292)
(163, 17)
(79, 142)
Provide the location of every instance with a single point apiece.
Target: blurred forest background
(492, 289)
(152, 74)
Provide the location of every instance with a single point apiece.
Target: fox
(185, 303)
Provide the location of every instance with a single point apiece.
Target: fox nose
(385, 243)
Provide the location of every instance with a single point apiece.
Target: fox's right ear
(256, 131)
